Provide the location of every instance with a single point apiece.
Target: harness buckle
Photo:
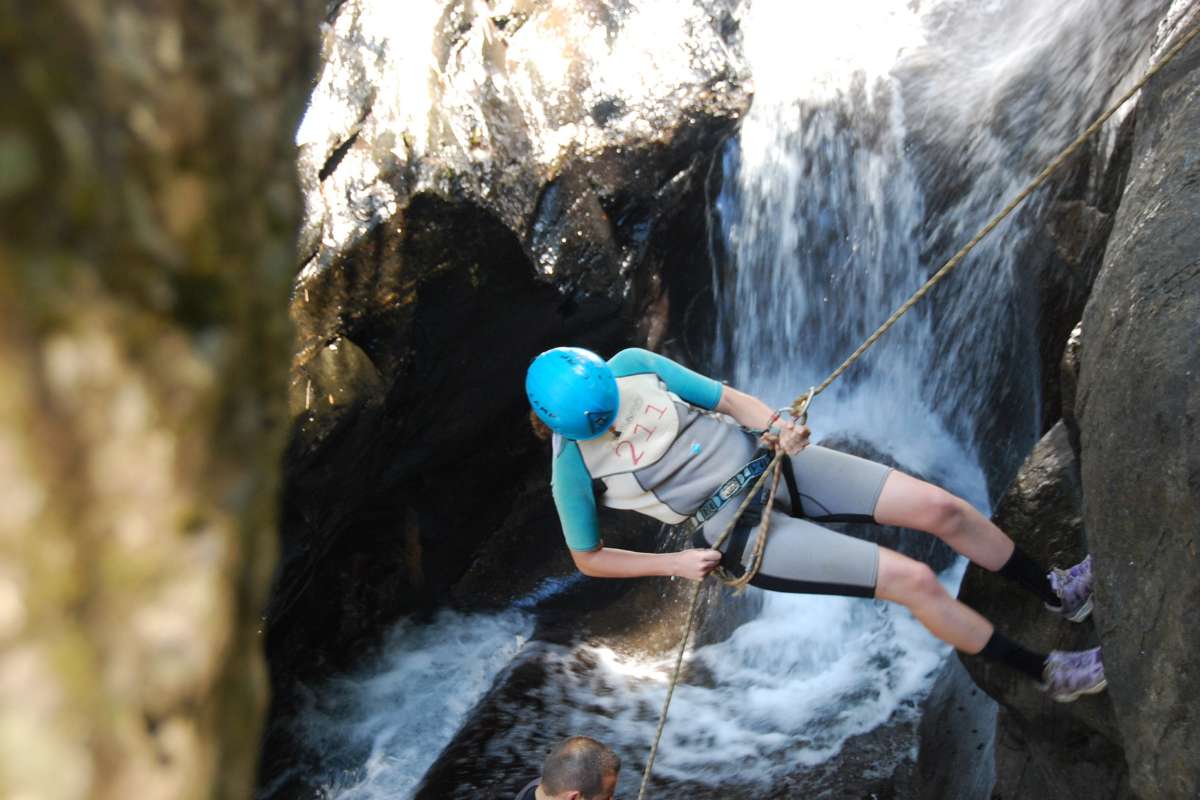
(729, 489)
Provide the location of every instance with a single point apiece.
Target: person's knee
(913, 583)
(925, 584)
(912, 503)
(945, 514)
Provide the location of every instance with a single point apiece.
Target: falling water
(883, 134)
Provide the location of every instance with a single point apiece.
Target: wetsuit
(669, 452)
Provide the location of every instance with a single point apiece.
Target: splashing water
(779, 695)
(377, 731)
(849, 186)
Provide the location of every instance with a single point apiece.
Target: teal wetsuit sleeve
(571, 485)
(691, 386)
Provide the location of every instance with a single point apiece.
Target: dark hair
(540, 429)
(579, 764)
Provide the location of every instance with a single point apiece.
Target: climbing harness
(799, 407)
(730, 489)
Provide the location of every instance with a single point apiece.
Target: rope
(799, 407)
(772, 468)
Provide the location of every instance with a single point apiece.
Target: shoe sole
(1084, 611)
(1070, 698)
(1081, 613)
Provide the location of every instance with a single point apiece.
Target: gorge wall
(531, 188)
(469, 210)
(1119, 478)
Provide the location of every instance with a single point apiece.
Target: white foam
(783, 693)
(378, 730)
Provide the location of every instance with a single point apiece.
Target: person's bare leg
(912, 503)
(913, 585)
(1063, 675)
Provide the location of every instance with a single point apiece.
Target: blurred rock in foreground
(149, 215)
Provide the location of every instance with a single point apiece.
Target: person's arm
(610, 562)
(750, 412)
(699, 390)
(746, 409)
(572, 489)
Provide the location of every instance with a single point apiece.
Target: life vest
(646, 425)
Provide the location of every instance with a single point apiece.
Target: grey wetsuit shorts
(801, 556)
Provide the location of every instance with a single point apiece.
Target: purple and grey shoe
(1074, 589)
(1068, 674)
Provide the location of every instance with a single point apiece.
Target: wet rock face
(957, 752)
(1118, 478)
(1042, 512)
(1065, 257)
(483, 181)
(543, 112)
(1037, 738)
(1138, 402)
(150, 206)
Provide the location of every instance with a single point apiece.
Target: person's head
(580, 768)
(573, 391)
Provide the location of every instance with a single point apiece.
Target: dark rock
(429, 405)
(957, 756)
(1036, 736)
(1042, 512)
(517, 229)
(1076, 233)
(1063, 258)
(1138, 404)
(1027, 766)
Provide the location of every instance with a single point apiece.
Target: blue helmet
(573, 391)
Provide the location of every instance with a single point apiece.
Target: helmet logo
(598, 421)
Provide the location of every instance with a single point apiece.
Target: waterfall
(837, 204)
(882, 135)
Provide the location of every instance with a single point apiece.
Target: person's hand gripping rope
(789, 436)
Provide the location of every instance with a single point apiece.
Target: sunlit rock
(499, 104)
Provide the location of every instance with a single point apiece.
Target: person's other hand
(696, 563)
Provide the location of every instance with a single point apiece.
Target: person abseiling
(668, 442)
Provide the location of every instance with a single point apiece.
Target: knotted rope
(799, 407)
